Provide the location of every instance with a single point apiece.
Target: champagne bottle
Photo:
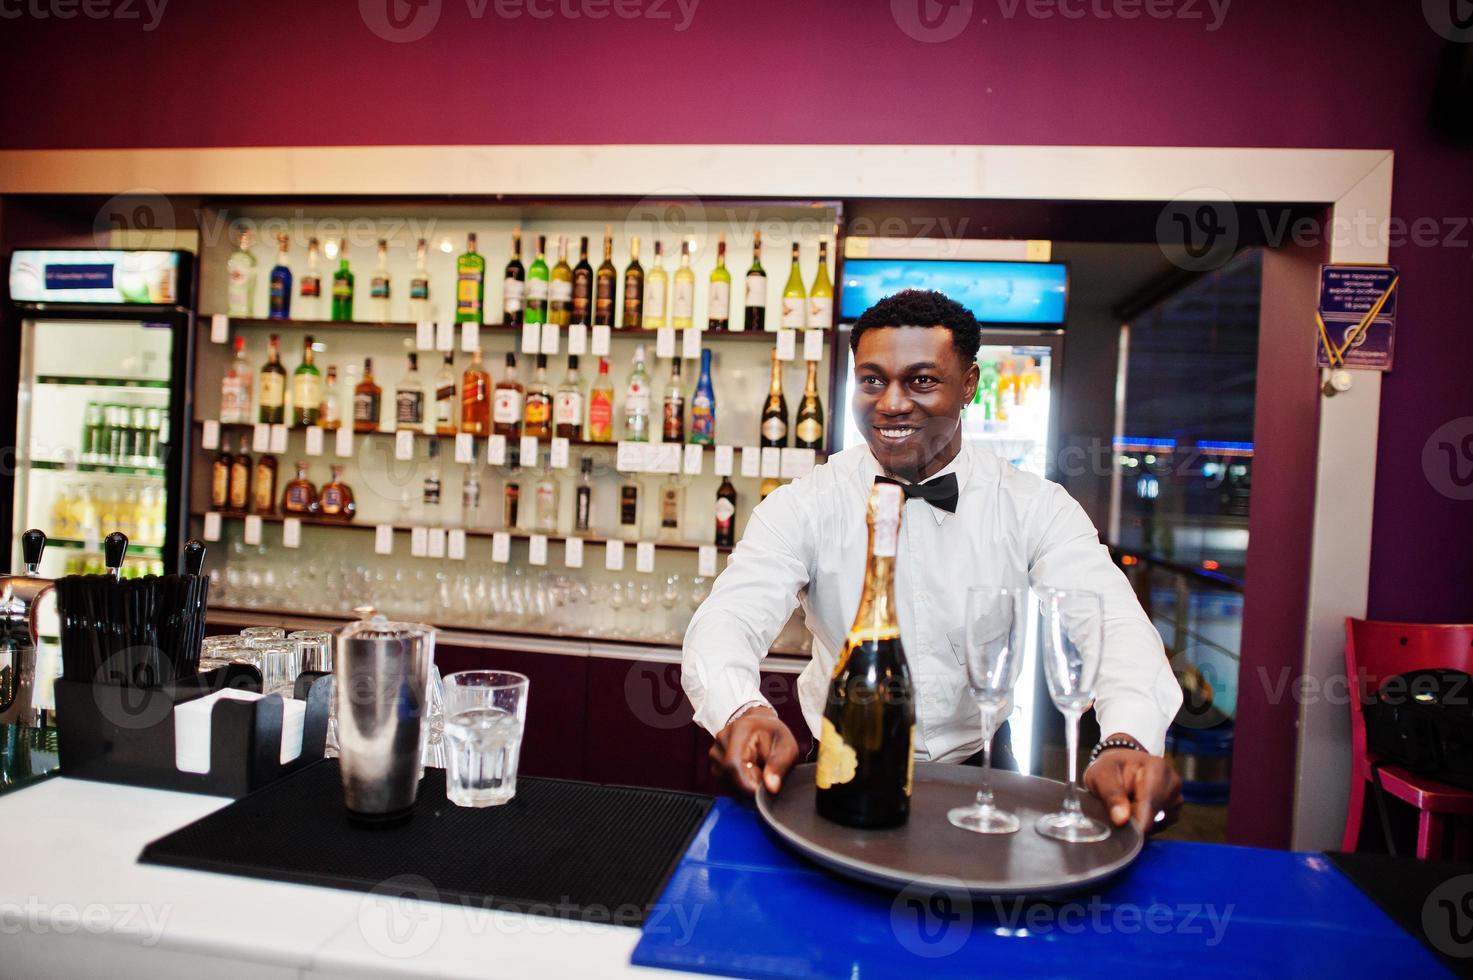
(560, 289)
(866, 745)
(795, 299)
(726, 501)
(633, 289)
(582, 307)
(656, 291)
(808, 432)
(538, 279)
(756, 300)
(775, 411)
(821, 296)
(718, 305)
(470, 282)
(514, 284)
(605, 283)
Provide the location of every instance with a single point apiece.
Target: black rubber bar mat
(561, 848)
(1432, 900)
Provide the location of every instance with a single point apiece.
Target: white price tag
(344, 447)
(528, 451)
(219, 328)
(578, 338)
(787, 347)
(813, 345)
(644, 557)
(419, 541)
(291, 532)
(261, 438)
(470, 336)
(797, 462)
(772, 462)
(751, 461)
(501, 547)
(690, 343)
(445, 335)
(665, 342)
(722, 464)
(629, 457)
(455, 544)
(278, 438)
(667, 457)
(252, 529)
(383, 539)
(496, 450)
(706, 562)
(531, 338)
(209, 437)
(437, 542)
(695, 458)
(549, 339)
(537, 549)
(614, 556)
(212, 526)
(465, 447)
(599, 345)
(404, 444)
(314, 440)
(559, 453)
(573, 553)
(424, 335)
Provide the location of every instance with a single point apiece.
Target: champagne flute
(994, 652)
(1073, 638)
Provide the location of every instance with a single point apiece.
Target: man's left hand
(1135, 784)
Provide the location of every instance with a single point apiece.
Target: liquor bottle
(92, 418)
(601, 405)
(470, 282)
(633, 288)
(430, 494)
(866, 749)
(546, 494)
(513, 285)
(769, 484)
(300, 496)
(672, 504)
(309, 294)
(726, 501)
(683, 295)
(240, 273)
(567, 404)
(306, 389)
(220, 478)
(445, 397)
(583, 499)
(656, 291)
(756, 299)
(674, 415)
(240, 479)
(470, 498)
(718, 303)
(367, 401)
(537, 409)
(605, 284)
(511, 489)
(637, 401)
(703, 405)
(506, 402)
(273, 384)
(336, 499)
(342, 286)
(419, 285)
(379, 286)
(808, 430)
(775, 410)
(538, 276)
(281, 282)
(629, 509)
(475, 398)
(409, 398)
(582, 307)
(265, 489)
(327, 414)
(821, 295)
(560, 287)
(795, 299)
(235, 388)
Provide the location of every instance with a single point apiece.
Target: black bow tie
(940, 493)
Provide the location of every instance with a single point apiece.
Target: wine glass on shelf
(1073, 639)
(994, 631)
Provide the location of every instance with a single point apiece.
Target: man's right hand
(755, 745)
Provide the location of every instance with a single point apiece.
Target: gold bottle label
(837, 760)
(810, 430)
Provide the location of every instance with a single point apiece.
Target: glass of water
(485, 711)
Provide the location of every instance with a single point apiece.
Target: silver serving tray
(929, 852)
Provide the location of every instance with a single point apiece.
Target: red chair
(1375, 651)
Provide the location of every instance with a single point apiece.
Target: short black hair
(923, 308)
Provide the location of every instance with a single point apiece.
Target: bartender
(970, 518)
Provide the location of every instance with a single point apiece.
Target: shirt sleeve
(1136, 692)
(749, 605)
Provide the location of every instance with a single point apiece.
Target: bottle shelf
(61, 379)
(114, 469)
(134, 550)
(510, 330)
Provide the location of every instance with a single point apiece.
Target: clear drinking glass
(314, 648)
(278, 663)
(485, 711)
(1073, 639)
(995, 628)
(256, 635)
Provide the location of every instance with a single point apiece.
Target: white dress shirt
(808, 541)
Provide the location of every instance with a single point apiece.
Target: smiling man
(970, 519)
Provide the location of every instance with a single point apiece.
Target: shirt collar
(961, 465)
